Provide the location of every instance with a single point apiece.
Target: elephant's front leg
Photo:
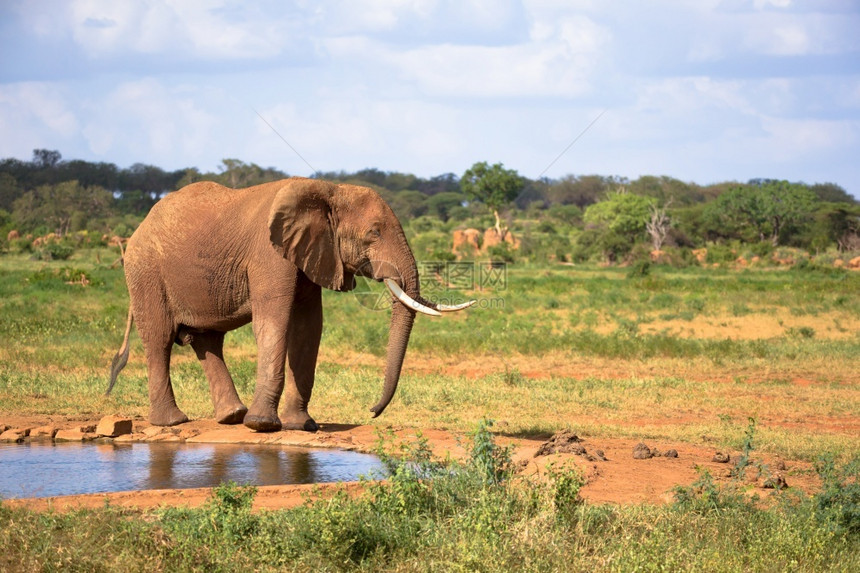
(271, 334)
(303, 340)
(209, 347)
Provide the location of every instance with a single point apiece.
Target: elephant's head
(335, 232)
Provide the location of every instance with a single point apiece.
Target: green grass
(612, 355)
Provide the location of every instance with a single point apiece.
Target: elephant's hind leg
(163, 410)
(209, 346)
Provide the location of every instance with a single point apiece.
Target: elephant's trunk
(402, 319)
(401, 326)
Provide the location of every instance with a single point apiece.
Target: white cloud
(556, 61)
(205, 29)
(148, 120)
(32, 115)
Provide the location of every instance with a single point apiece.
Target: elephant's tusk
(455, 307)
(408, 301)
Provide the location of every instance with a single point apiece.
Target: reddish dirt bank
(613, 474)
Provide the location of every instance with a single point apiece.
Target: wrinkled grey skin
(207, 259)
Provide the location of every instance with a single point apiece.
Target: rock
(12, 235)
(854, 263)
(153, 431)
(721, 458)
(562, 443)
(642, 452)
(188, 433)
(776, 482)
(74, 435)
(671, 453)
(14, 435)
(113, 426)
(43, 433)
(166, 438)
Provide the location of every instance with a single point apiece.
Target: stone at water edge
(74, 435)
(43, 433)
(113, 426)
(14, 435)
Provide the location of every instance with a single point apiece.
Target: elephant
(208, 259)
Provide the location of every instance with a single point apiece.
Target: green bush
(838, 501)
(52, 251)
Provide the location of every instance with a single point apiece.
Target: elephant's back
(202, 216)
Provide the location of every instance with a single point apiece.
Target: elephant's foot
(262, 423)
(235, 415)
(300, 421)
(170, 416)
(308, 426)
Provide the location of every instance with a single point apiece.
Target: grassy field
(686, 355)
(671, 354)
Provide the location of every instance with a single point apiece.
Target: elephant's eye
(372, 234)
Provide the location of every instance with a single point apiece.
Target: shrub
(52, 251)
(704, 496)
(838, 502)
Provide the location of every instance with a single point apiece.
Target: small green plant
(69, 275)
(704, 496)
(491, 461)
(513, 376)
(739, 471)
(566, 482)
(838, 501)
(229, 510)
(502, 253)
(806, 332)
(639, 269)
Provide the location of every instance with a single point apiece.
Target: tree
(580, 191)
(494, 186)
(442, 203)
(57, 205)
(767, 206)
(46, 158)
(666, 189)
(659, 224)
(832, 192)
(617, 223)
(9, 191)
(408, 204)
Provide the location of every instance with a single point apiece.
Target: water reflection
(42, 470)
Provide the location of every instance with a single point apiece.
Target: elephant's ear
(302, 228)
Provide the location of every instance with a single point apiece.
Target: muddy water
(44, 470)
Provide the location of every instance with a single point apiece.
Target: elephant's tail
(120, 359)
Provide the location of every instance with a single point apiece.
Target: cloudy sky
(700, 90)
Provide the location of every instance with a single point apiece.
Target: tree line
(587, 216)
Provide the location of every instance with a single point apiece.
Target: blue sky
(700, 90)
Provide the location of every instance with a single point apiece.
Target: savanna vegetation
(577, 218)
(689, 345)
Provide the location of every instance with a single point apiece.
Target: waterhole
(46, 470)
